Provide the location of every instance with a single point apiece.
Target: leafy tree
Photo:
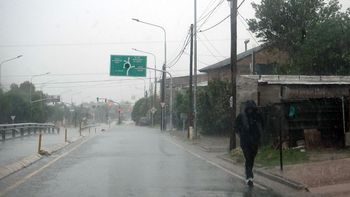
(16, 102)
(142, 108)
(314, 34)
(56, 112)
(213, 108)
(327, 48)
(181, 105)
(12, 104)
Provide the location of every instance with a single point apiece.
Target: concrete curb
(273, 177)
(29, 160)
(217, 149)
(18, 165)
(282, 180)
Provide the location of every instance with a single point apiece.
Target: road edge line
(215, 164)
(27, 177)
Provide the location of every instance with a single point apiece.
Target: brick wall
(247, 89)
(244, 65)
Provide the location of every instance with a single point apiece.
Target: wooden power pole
(233, 11)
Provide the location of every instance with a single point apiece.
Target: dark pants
(249, 152)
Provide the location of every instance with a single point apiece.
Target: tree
(142, 108)
(16, 102)
(56, 112)
(213, 108)
(181, 106)
(327, 48)
(313, 33)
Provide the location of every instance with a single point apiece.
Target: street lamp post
(31, 83)
(19, 56)
(30, 92)
(155, 80)
(162, 125)
(171, 94)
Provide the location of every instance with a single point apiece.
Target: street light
(30, 91)
(31, 84)
(162, 126)
(155, 79)
(19, 56)
(171, 95)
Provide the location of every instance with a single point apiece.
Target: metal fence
(9, 131)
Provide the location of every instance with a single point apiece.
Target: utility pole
(195, 69)
(190, 114)
(162, 102)
(233, 11)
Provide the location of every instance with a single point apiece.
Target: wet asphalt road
(132, 161)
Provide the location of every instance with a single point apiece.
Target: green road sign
(131, 66)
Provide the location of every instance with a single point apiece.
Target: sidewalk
(19, 153)
(325, 178)
(207, 143)
(18, 148)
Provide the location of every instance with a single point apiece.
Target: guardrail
(24, 129)
(89, 126)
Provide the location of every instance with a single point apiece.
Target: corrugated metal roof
(226, 62)
(300, 79)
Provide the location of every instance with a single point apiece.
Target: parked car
(144, 121)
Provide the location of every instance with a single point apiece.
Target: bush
(213, 108)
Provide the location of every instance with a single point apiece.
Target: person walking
(249, 125)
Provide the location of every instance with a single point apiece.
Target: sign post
(13, 119)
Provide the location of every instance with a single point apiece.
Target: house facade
(258, 60)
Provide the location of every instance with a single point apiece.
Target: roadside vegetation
(142, 108)
(16, 102)
(314, 34)
(269, 157)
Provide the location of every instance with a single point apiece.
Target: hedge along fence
(213, 112)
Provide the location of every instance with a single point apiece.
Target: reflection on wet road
(133, 161)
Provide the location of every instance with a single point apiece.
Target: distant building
(183, 81)
(257, 61)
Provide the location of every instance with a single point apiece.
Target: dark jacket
(249, 125)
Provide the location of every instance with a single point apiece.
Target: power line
(209, 14)
(204, 30)
(206, 38)
(90, 81)
(209, 50)
(94, 86)
(221, 21)
(240, 4)
(181, 49)
(178, 57)
(67, 74)
(206, 64)
(85, 44)
(245, 20)
(201, 17)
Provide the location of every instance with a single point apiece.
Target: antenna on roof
(246, 44)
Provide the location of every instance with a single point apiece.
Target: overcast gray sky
(73, 40)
